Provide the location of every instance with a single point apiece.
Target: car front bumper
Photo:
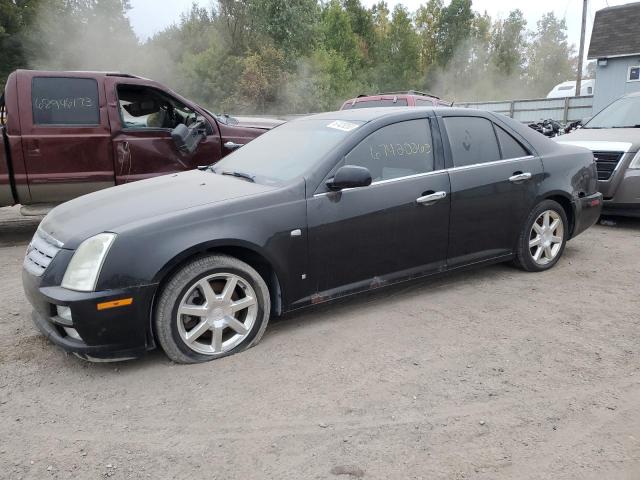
(626, 200)
(108, 333)
(587, 211)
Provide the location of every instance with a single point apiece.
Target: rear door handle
(431, 198)
(520, 177)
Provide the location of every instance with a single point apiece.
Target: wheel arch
(244, 251)
(567, 204)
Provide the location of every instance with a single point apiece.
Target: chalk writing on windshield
(392, 150)
(63, 103)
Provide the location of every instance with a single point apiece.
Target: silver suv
(613, 135)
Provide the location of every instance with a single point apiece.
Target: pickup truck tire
(543, 237)
(212, 307)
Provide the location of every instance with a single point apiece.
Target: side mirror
(187, 139)
(350, 176)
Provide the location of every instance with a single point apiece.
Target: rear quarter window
(510, 147)
(65, 101)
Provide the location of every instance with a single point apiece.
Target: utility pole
(581, 54)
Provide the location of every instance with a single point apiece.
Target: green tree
(551, 58)
(508, 43)
(338, 34)
(262, 76)
(290, 24)
(402, 65)
(454, 29)
(427, 25)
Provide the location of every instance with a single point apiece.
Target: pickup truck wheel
(543, 237)
(212, 307)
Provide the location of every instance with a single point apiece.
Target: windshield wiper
(627, 126)
(246, 176)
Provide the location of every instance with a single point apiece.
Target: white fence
(564, 110)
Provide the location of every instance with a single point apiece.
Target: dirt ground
(488, 374)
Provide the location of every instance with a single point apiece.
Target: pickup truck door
(66, 140)
(142, 114)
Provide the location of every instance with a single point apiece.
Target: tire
(231, 314)
(534, 257)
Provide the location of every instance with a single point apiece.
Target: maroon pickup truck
(65, 134)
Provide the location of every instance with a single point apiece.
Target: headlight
(86, 263)
(635, 163)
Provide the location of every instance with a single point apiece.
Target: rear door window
(510, 147)
(472, 140)
(65, 101)
(398, 150)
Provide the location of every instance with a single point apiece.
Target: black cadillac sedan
(318, 208)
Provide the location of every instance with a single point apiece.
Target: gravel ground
(487, 374)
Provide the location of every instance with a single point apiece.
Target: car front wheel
(212, 307)
(543, 237)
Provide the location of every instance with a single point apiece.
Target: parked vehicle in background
(548, 128)
(357, 200)
(65, 134)
(568, 89)
(614, 137)
(409, 98)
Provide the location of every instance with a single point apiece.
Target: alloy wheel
(217, 313)
(546, 237)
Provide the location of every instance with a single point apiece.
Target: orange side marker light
(123, 302)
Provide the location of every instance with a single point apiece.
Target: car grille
(606, 162)
(40, 253)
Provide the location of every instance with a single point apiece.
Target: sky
(150, 16)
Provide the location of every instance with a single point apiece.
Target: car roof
(375, 113)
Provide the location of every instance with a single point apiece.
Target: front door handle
(233, 145)
(520, 177)
(431, 198)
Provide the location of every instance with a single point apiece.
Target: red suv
(411, 98)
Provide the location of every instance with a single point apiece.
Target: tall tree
(551, 58)
(509, 43)
(403, 55)
(454, 29)
(290, 24)
(427, 25)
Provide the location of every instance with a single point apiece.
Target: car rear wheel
(543, 237)
(214, 306)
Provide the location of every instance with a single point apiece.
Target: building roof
(615, 32)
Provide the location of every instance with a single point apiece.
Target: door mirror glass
(187, 139)
(350, 176)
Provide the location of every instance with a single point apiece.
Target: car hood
(112, 209)
(607, 139)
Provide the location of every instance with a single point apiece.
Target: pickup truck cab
(65, 134)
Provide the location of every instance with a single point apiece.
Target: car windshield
(623, 113)
(286, 152)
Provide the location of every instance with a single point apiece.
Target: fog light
(73, 333)
(64, 313)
